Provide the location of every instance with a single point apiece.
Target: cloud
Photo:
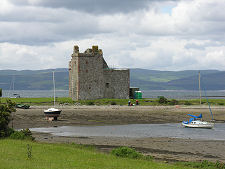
(165, 35)
(19, 57)
(91, 6)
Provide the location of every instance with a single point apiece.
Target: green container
(138, 95)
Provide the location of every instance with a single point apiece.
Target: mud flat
(173, 149)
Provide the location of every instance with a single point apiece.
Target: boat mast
(199, 86)
(53, 79)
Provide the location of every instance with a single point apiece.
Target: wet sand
(170, 149)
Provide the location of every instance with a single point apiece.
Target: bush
(221, 104)
(113, 103)
(22, 135)
(126, 152)
(5, 111)
(187, 103)
(205, 164)
(90, 103)
(173, 102)
(162, 100)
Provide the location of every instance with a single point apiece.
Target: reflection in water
(138, 131)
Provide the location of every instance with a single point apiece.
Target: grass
(142, 102)
(14, 154)
(39, 101)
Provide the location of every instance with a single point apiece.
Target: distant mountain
(177, 80)
(142, 78)
(33, 79)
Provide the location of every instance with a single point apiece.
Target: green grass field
(13, 155)
(143, 102)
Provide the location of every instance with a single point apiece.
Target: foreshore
(170, 149)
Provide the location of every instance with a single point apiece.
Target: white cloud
(190, 35)
(5, 7)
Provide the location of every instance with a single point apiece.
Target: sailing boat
(196, 121)
(13, 95)
(52, 112)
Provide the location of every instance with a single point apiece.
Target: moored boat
(196, 122)
(52, 112)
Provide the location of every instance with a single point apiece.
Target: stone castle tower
(91, 78)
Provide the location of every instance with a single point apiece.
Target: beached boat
(196, 121)
(52, 112)
(23, 106)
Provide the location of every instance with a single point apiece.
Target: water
(35, 93)
(172, 130)
(183, 94)
(171, 94)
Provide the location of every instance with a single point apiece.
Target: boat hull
(52, 112)
(206, 126)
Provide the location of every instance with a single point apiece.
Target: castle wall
(116, 83)
(90, 77)
(73, 76)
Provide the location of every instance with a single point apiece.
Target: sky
(149, 34)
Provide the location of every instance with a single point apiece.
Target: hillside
(143, 78)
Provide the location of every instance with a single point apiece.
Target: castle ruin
(91, 78)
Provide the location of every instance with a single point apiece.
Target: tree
(162, 100)
(5, 112)
(0, 94)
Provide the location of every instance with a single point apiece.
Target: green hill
(143, 78)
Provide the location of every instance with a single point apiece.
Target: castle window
(86, 71)
(86, 62)
(107, 85)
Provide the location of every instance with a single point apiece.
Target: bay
(172, 130)
(170, 94)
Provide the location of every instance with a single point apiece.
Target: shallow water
(172, 130)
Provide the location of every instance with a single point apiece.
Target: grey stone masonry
(91, 78)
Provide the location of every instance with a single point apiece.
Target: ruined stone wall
(90, 77)
(116, 83)
(73, 74)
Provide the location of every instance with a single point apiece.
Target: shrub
(220, 165)
(162, 100)
(90, 103)
(22, 135)
(113, 103)
(173, 102)
(205, 164)
(187, 103)
(126, 152)
(5, 111)
(221, 104)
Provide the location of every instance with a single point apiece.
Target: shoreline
(169, 149)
